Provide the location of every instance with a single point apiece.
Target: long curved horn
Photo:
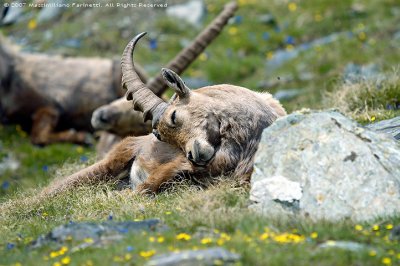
(144, 99)
(189, 54)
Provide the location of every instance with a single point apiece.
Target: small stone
(97, 233)
(195, 258)
(346, 245)
(192, 11)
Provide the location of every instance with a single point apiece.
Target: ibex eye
(173, 117)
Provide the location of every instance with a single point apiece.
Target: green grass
(237, 56)
(220, 213)
(367, 100)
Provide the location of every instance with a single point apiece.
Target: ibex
(51, 95)
(120, 119)
(212, 131)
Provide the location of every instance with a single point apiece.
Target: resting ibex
(214, 130)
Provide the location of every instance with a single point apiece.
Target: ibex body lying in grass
(214, 130)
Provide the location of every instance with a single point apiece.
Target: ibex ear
(175, 82)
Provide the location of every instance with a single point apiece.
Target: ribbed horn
(190, 53)
(144, 99)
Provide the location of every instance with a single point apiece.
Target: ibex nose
(200, 153)
(100, 119)
(103, 117)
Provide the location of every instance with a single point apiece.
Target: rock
(346, 245)
(211, 256)
(281, 56)
(389, 126)
(98, 233)
(395, 234)
(53, 9)
(278, 188)
(10, 15)
(9, 163)
(287, 94)
(396, 36)
(192, 11)
(71, 43)
(267, 19)
(354, 73)
(344, 170)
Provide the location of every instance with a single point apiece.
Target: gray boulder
(389, 126)
(325, 166)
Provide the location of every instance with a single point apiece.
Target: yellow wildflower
(168, 212)
(66, 260)
(292, 7)
(32, 24)
(269, 55)
(160, 239)
(289, 47)
(147, 254)
(358, 227)
(372, 253)
(117, 259)
(362, 36)
(375, 227)
(373, 118)
(203, 57)
(386, 261)
(88, 240)
(56, 263)
(288, 238)
(54, 254)
(225, 236)
(264, 236)
(232, 31)
(314, 235)
(152, 239)
(183, 236)
(220, 242)
(206, 241)
(79, 149)
(128, 256)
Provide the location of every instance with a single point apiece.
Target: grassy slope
(237, 56)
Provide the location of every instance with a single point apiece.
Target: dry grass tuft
(368, 100)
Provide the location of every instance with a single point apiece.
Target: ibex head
(192, 127)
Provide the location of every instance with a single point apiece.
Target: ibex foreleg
(43, 132)
(115, 165)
